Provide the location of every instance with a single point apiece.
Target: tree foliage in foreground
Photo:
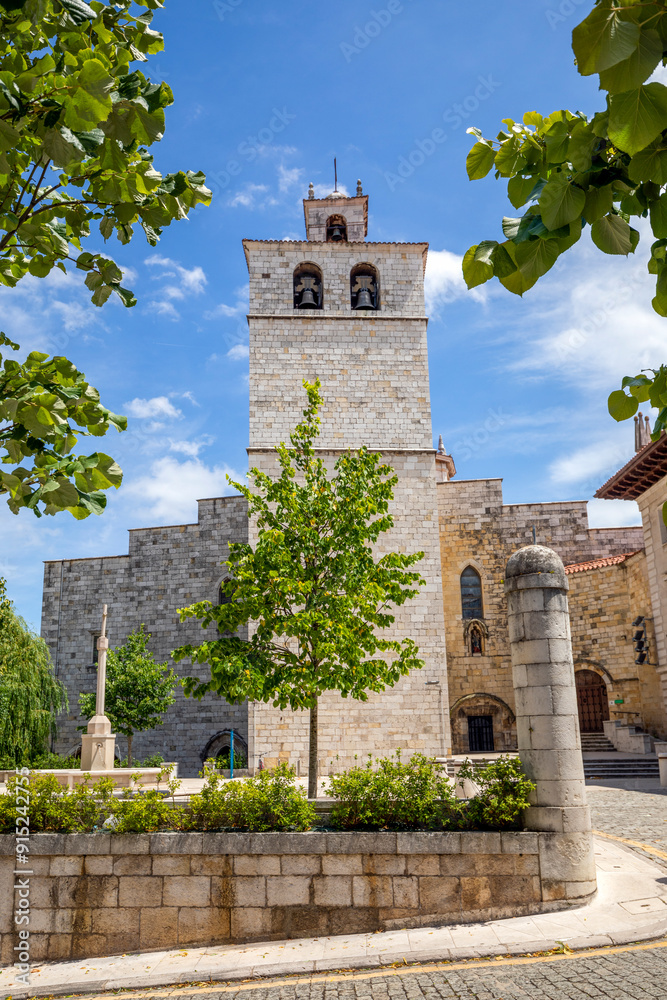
(30, 695)
(76, 125)
(45, 406)
(567, 172)
(138, 690)
(311, 590)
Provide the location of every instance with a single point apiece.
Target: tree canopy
(569, 172)
(30, 695)
(76, 125)
(315, 597)
(138, 690)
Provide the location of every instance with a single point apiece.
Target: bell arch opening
(336, 229)
(364, 287)
(308, 287)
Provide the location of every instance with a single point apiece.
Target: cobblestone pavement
(633, 815)
(640, 974)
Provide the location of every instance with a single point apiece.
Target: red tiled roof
(599, 563)
(644, 470)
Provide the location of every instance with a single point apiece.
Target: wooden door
(592, 701)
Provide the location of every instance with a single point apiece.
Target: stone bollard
(548, 721)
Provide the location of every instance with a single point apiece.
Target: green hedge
(390, 794)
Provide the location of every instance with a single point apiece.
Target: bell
(364, 300)
(308, 300)
(337, 234)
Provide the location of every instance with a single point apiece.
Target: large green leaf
(561, 202)
(91, 101)
(613, 235)
(477, 266)
(637, 117)
(622, 406)
(480, 160)
(599, 201)
(602, 40)
(650, 164)
(659, 217)
(532, 260)
(637, 68)
(519, 189)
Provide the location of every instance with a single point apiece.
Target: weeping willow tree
(30, 695)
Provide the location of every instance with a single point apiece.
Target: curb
(652, 932)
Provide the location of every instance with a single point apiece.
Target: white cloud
(189, 282)
(613, 514)
(240, 307)
(247, 197)
(158, 406)
(239, 352)
(443, 281)
(589, 462)
(288, 177)
(168, 493)
(191, 448)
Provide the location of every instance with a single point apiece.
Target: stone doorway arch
(592, 701)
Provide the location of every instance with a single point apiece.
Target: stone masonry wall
(96, 894)
(166, 568)
(477, 529)
(373, 365)
(603, 603)
(650, 505)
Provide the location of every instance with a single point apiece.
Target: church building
(351, 312)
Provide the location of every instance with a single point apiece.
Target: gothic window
(471, 594)
(364, 287)
(336, 229)
(307, 287)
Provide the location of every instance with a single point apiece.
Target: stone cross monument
(98, 744)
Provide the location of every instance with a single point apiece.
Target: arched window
(471, 594)
(308, 287)
(364, 287)
(336, 229)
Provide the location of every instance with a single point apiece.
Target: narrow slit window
(471, 593)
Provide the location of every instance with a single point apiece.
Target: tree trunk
(312, 753)
(129, 750)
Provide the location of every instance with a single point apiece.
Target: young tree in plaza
(30, 695)
(138, 690)
(76, 126)
(569, 173)
(314, 595)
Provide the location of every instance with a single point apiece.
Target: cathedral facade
(351, 312)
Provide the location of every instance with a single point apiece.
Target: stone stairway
(596, 743)
(610, 767)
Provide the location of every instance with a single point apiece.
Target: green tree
(30, 695)
(76, 125)
(568, 171)
(138, 690)
(311, 589)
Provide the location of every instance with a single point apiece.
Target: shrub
(53, 762)
(56, 809)
(153, 760)
(269, 801)
(402, 795)
(503, 794)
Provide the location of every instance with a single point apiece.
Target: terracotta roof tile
(582, 567)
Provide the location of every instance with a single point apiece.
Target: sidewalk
(631, 905)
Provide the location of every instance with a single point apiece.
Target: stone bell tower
(351, 312)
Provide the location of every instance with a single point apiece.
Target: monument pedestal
(98, 745)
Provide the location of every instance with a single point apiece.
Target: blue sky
(267, 92)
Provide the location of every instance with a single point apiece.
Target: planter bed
(100, 894)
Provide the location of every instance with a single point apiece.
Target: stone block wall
(166, 568)
(477, 529)
(96, 894)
